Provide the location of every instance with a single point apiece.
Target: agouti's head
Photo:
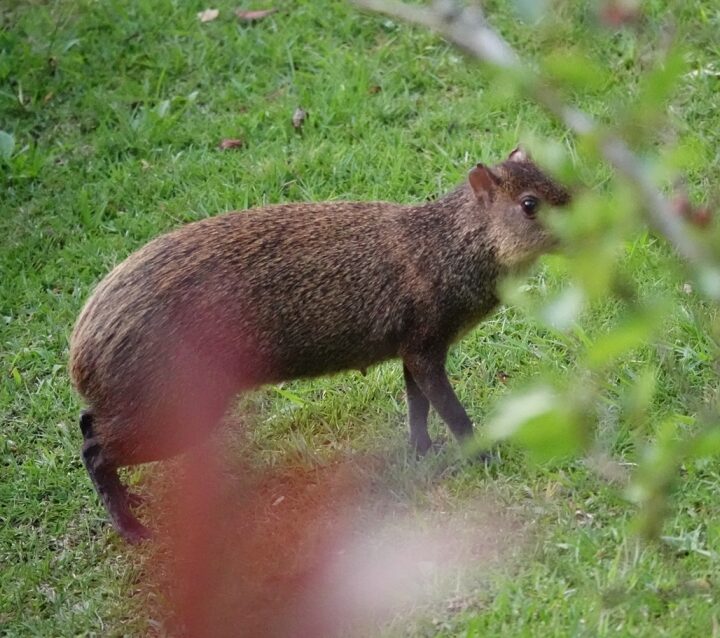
(513, 194)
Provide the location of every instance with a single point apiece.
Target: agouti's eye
(530, 205)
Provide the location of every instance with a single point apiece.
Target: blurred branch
(467, 28)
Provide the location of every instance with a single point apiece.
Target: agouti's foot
(421, 445)
(124, 522)
(132, 530)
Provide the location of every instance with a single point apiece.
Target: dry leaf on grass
(231, 143)
(254, 16)
(299, 117)
(208, 15)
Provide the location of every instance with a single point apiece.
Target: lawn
(117, 110)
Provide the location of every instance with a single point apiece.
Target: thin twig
(467, 28)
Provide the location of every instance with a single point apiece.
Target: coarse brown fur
(289, 291)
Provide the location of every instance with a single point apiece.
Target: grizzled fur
(288, 291)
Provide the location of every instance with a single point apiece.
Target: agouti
(232, 302)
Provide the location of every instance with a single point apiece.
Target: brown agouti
(232, 302)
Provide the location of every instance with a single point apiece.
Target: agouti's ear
(483, 181)
(519, 154)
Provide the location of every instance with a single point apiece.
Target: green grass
(117, 109)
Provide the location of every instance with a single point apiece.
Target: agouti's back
(288, 291)
(265, 283)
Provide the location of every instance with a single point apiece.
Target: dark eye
(530, 205)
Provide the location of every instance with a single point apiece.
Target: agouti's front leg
(418, 408)
(428, 373)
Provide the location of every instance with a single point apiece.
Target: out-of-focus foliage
(626, 362)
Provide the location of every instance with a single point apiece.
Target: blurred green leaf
(709, 281)
(639, 396)
(7, 145)
(706, 443)
(656, 474)
(541, 421)
(690, 153)
(574, 69)
(634, 331)
(563, 311)
(657, 86)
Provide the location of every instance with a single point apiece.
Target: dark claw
(486, 457)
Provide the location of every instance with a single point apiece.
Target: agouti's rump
(289, 291)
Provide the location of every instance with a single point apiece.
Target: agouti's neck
(461, 230)
(456, 251)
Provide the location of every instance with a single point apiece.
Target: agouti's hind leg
(112, 492)
(418, 408)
